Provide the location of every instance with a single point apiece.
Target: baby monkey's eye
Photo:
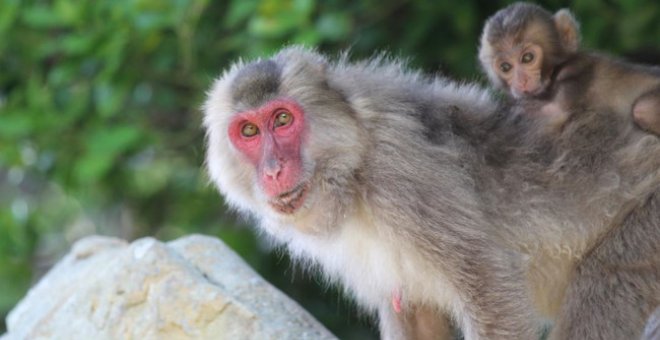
(527, 58)
(505, 67)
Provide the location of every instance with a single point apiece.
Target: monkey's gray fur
(431, 188)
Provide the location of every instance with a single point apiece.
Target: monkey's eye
(283, 118)
(505, 67)
(249, 130)
(527, 58)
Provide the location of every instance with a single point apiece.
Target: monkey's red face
(270, 138)
(521, 70)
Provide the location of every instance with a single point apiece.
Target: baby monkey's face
(523, 44)
(520, 67)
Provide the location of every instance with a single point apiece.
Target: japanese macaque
(423, 200)
(531, 53)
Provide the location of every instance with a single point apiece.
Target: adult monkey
(424, 198)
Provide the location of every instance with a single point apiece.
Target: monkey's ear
(569, 30)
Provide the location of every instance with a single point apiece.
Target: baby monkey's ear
(568, 29)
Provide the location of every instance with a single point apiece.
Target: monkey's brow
(256, 82)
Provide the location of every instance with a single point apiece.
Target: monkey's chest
(374, 267)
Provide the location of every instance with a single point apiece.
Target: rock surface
(652, 330)
(191, 288)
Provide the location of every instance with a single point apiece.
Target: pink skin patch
(396, 301)
(274, 148)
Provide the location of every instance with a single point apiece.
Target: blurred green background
(100, 120)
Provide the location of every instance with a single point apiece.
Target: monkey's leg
(646, 111)
(419, 323)
(497, 302)
(617, 284)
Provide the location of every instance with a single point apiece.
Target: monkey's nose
(272, 169)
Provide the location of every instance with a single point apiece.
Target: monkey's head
(522, 44)
(281, 142)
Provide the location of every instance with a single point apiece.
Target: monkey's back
(572, 183)
(596, 81)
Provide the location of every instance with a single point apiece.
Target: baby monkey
(531, 53)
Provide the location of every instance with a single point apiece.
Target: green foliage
(100, 120)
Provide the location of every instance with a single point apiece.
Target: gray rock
(652, 330)
(191, 288)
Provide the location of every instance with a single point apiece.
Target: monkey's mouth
(541, 88)
(290, 201)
